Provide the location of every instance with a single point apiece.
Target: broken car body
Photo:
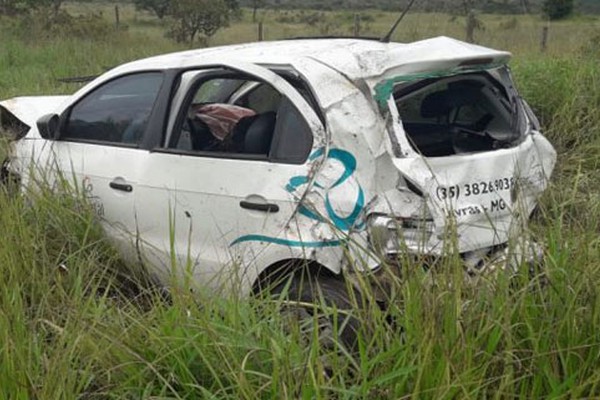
(342, 152)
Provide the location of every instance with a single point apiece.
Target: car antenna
(387, 38)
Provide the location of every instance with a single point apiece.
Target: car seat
(259, 135)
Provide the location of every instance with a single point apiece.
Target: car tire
(311, 299)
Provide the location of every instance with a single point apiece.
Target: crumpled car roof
(356, 58)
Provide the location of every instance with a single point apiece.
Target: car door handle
(264, 207)
(125, 187)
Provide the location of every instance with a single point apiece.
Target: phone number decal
(475, 188)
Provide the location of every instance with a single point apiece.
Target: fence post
(261, 32)
(356, 25)
(544, 42)
(471, 26)
(117, 19)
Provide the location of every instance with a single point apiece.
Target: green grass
(99, 329)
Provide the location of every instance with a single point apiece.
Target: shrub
(190, 18)
(38, 24)
(557, 9)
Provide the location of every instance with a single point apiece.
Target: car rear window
(459, 114)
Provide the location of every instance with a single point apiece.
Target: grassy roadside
(81, 332)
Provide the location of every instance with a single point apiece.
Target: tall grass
(77, 322)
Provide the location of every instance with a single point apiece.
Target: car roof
(355, 58)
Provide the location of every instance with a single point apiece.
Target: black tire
(303, 294)
(9, 182)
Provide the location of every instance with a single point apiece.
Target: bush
(191, 18)
(509, 24)
(557, 9)
(39, 25)
(591, 49)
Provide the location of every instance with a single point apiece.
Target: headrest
(442, 102)
(259, 134)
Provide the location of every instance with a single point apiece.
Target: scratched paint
(313, 210)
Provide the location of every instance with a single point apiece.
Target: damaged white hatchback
(234, 162)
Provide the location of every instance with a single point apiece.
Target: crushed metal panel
(434, 58)
(483, 194)
(475, 199)
(358, 58)
(11, 127)
(29, 109)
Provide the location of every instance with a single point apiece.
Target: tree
(49, 7)
(557, 9)
(11, 7)
(526, 6)
(256, 4)
(52, 6)
(472, 23)
(158, 7)
(193, 17)
(233, 5)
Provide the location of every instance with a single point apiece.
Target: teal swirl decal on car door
(285, 242)
(348, 162)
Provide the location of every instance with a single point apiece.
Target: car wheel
(323, 303)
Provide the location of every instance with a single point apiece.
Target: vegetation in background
(76, 322)
(448, 6)
(158, 7)
(192, 17)
(256, 4)
(14, 7)
(557, 9)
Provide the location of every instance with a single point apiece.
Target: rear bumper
(479, 267)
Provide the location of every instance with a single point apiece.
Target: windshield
(459, 114)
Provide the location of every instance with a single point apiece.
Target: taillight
(390, 234)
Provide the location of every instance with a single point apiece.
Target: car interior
(230, 115)
(456, 115)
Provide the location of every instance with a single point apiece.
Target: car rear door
(203, 211)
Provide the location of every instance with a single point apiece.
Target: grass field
(100, 330)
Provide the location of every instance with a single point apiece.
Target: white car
(230, 163)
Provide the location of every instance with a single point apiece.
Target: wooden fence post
(544, 42)
(117, 19)
(356, 30)
(261, 32)
(471, 26)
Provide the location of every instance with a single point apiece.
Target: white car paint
(182, 212)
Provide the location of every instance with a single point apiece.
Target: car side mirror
(48, 126)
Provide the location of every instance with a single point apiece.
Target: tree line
(191, 20)
(187, 20)
(554, 9)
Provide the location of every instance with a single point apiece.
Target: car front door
(99, 148)
(209, 201)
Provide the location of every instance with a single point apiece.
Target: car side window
(117, 112)
(255, 121)
(259, 97)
